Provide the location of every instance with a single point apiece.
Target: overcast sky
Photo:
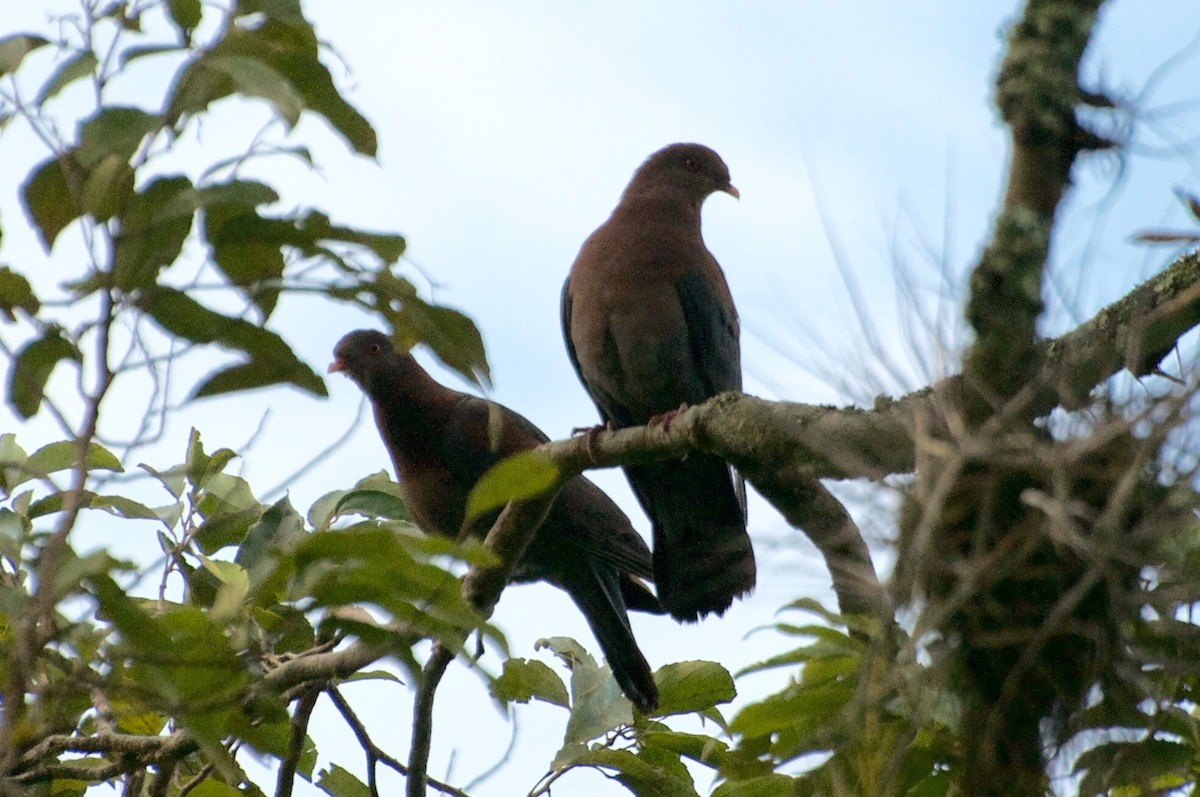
(865, 147)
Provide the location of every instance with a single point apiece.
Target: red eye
(691, 164)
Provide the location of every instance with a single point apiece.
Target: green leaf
(773, 785)
(75, 570)
(372, 503)
(797, 705)
(287, 627)
(54, 503)
(286, 45)
(814, 606)
(372, 564)
(527, 474)
(289, 45)
(49, 200)
(16, 294)
(225, 493)
(525, 679)
(14, 530)
(69, 787)
(131, 54)
(14, 48)
(61, 455)
(248, 249)
(279, 529)
(226, 528)
(452, 336)
(81, 66)
(324, 509)
(243, 376)
(117, 505)
(12, 462)
(387, 247)
(1158, 763)
(154, 227)
(696, 746)
(235, 585)
(107, 188)
(308, 758)
(242, 193)
(254, 78)
(181, 315)
(288, 11)
(688, 686)
(638, 775)
(32, 369)
(597, 704)
(130, 719)
(124, 507)
(340, 783)
(185, 14)
(173, 479)
(373, 675)
(201, 467)
(115, 130)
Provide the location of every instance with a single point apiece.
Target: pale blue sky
(507, 132)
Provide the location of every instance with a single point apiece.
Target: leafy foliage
(107, 181)
(106, 675)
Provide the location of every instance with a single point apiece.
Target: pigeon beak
(337, 366)
(733, 192)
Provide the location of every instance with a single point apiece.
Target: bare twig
(196, 780)
(300, 717)
(422, 731)
(373, 751)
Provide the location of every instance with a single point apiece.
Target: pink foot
(666, 418)
(590, 432)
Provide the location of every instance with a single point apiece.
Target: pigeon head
(361, 353)
(694, 168)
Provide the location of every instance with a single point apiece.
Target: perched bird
(441, 443)
(650, 325)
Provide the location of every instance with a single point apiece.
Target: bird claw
(667, 418)
(590, 433)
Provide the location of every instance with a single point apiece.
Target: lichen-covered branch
(40, 763)
(1037, 93)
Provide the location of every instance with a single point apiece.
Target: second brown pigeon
(649, 324)
(442, 441)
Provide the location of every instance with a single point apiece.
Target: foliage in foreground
(164, 675)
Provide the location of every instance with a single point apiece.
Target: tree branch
(290, 762)
(334, 664)
(507, 540)
(1037, 94)
(136, 752)
(783, 448)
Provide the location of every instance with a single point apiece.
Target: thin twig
(196, 780)
(300, 718)
(374, 753)
(422, 732)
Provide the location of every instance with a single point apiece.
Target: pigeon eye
(691, 164)
(374, 348)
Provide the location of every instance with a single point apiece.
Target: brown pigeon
(650, 325)
(440, 443)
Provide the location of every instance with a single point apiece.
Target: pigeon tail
(597, 592)
(703, 558)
